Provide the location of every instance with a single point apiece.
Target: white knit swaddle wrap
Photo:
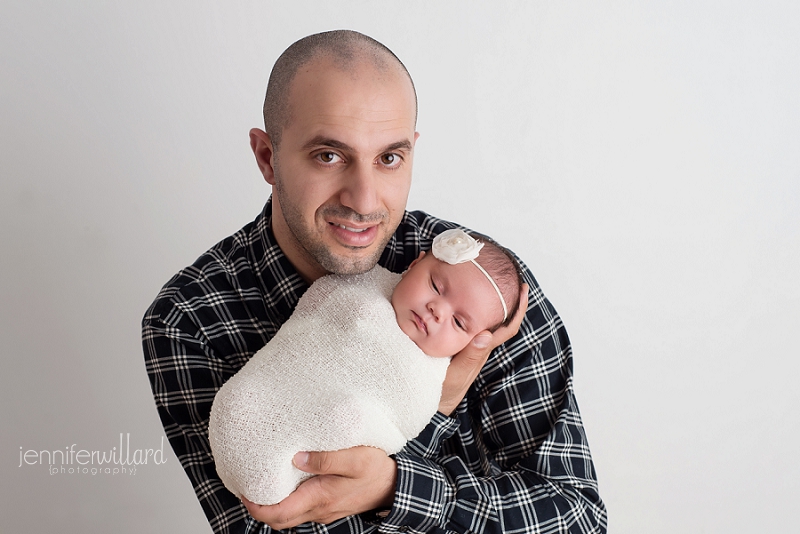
(339, 373)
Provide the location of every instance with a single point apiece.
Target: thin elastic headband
(494, 285)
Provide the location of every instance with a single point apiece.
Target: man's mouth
(349, 229)
(354, 236)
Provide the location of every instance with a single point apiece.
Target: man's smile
(357, 230)
(353, 235)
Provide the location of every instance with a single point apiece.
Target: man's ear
(262, 149)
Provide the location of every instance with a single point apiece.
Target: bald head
(346, 50)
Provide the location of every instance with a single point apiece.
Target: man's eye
(328, 157)
(390, 160)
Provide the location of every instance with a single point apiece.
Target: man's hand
(466, 365)
(349, 482)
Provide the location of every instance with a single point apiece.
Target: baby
(340, 373)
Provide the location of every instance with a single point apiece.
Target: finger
(461, 372)
(290, 512)
(482, 340)
(503, 334)
(249, 505)
(326, 498)
(523, 303)
(472, 356)
(469, 361)
(347, 462)
(466, 365)
(489, 340)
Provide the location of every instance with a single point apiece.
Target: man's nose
(360, 188)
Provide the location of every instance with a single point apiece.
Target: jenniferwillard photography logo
(74, 461)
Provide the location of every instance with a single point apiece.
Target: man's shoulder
(210, 272)
(424, 223)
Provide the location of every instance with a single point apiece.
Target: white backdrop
(642, 157)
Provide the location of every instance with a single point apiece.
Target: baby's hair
(504, 270)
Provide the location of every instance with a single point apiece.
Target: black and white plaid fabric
(513, 458)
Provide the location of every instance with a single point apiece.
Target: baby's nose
(435, 310)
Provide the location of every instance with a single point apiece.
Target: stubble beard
(318, 251)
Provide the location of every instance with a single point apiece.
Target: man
(506, 452)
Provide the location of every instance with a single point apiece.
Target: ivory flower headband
(456, 246)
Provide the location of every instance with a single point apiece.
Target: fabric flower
(455, 246)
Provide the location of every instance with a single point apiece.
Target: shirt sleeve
(521, 461)
(185, 374)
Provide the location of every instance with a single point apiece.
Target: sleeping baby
(361, 361)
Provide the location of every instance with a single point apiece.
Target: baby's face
(441, 307)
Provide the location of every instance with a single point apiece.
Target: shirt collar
(280, 282)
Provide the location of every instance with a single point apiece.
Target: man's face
(441, 307)
(342, 170)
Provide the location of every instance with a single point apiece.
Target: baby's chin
(424, 349)
(437, 354)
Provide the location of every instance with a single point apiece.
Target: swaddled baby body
(361, 361)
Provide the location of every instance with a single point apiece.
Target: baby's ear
(413, 263)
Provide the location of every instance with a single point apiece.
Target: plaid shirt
(513, 457)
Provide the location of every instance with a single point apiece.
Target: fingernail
(300, 459)
(482, 341)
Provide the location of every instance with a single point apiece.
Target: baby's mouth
(420, 323)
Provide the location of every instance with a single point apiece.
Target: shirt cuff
(429, 441)
(423, 489)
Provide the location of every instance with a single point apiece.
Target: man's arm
(514, 456)
(520, 460)
(184, 379)
(185, 373)
(364, 478)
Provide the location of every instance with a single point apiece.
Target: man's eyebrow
(321, 140)
(405, 145)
